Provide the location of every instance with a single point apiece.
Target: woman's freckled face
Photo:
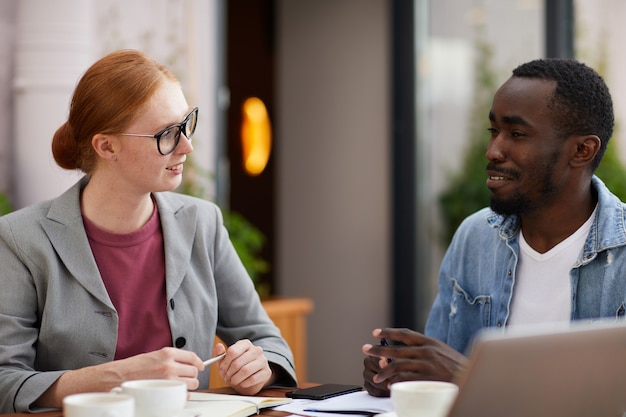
(139, 161)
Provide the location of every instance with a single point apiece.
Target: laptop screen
(568, 371)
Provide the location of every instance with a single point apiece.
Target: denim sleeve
(465, 284)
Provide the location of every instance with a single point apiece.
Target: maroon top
(132, 266)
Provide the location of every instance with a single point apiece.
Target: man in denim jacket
(549, 249)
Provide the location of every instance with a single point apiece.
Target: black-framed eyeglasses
(168, 138)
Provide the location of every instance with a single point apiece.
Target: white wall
(333, 175)
(52, 50)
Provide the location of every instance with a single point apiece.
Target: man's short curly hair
(581, 104)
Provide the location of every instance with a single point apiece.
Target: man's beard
(520, 204)
(516, 205)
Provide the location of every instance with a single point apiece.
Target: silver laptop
(578, 370)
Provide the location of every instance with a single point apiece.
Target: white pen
(213, 360)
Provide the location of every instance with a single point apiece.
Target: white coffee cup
(423, 398)
(98, 404)
(156, 397)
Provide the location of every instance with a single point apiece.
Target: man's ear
(105, 146)
(587, 147)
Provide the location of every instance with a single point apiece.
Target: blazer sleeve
(20, 383)
(240, 312)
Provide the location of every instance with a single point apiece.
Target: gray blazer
(56, 315)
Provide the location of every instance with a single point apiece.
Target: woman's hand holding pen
(165, 363)
(418, 357)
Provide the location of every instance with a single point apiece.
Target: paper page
(355, 401)
(224, 405)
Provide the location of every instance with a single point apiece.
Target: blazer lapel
(65, 229)
(178, 232)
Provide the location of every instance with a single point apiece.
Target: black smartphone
(321, 392)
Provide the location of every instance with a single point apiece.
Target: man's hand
(417, 357)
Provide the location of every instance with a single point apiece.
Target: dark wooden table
(274, 392)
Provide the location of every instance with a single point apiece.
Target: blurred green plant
(249, 241)
(5, 204)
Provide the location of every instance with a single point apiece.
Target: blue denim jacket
(477, 275)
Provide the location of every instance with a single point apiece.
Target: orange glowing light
(256, 136)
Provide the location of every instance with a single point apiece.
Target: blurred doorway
(250, 73)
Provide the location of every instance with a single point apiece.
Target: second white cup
(423, 398)
(156, 397)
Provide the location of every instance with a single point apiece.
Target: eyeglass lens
(168, 139)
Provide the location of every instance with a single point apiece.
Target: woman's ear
(105, 146)
(587, 148)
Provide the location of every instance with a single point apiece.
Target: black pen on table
(383, 342)
(366, 413)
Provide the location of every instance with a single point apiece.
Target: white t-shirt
(543, 290)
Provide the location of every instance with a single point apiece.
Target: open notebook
(225, 405)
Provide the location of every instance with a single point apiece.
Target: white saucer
(388, 414)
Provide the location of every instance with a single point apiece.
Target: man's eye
(492, 130)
